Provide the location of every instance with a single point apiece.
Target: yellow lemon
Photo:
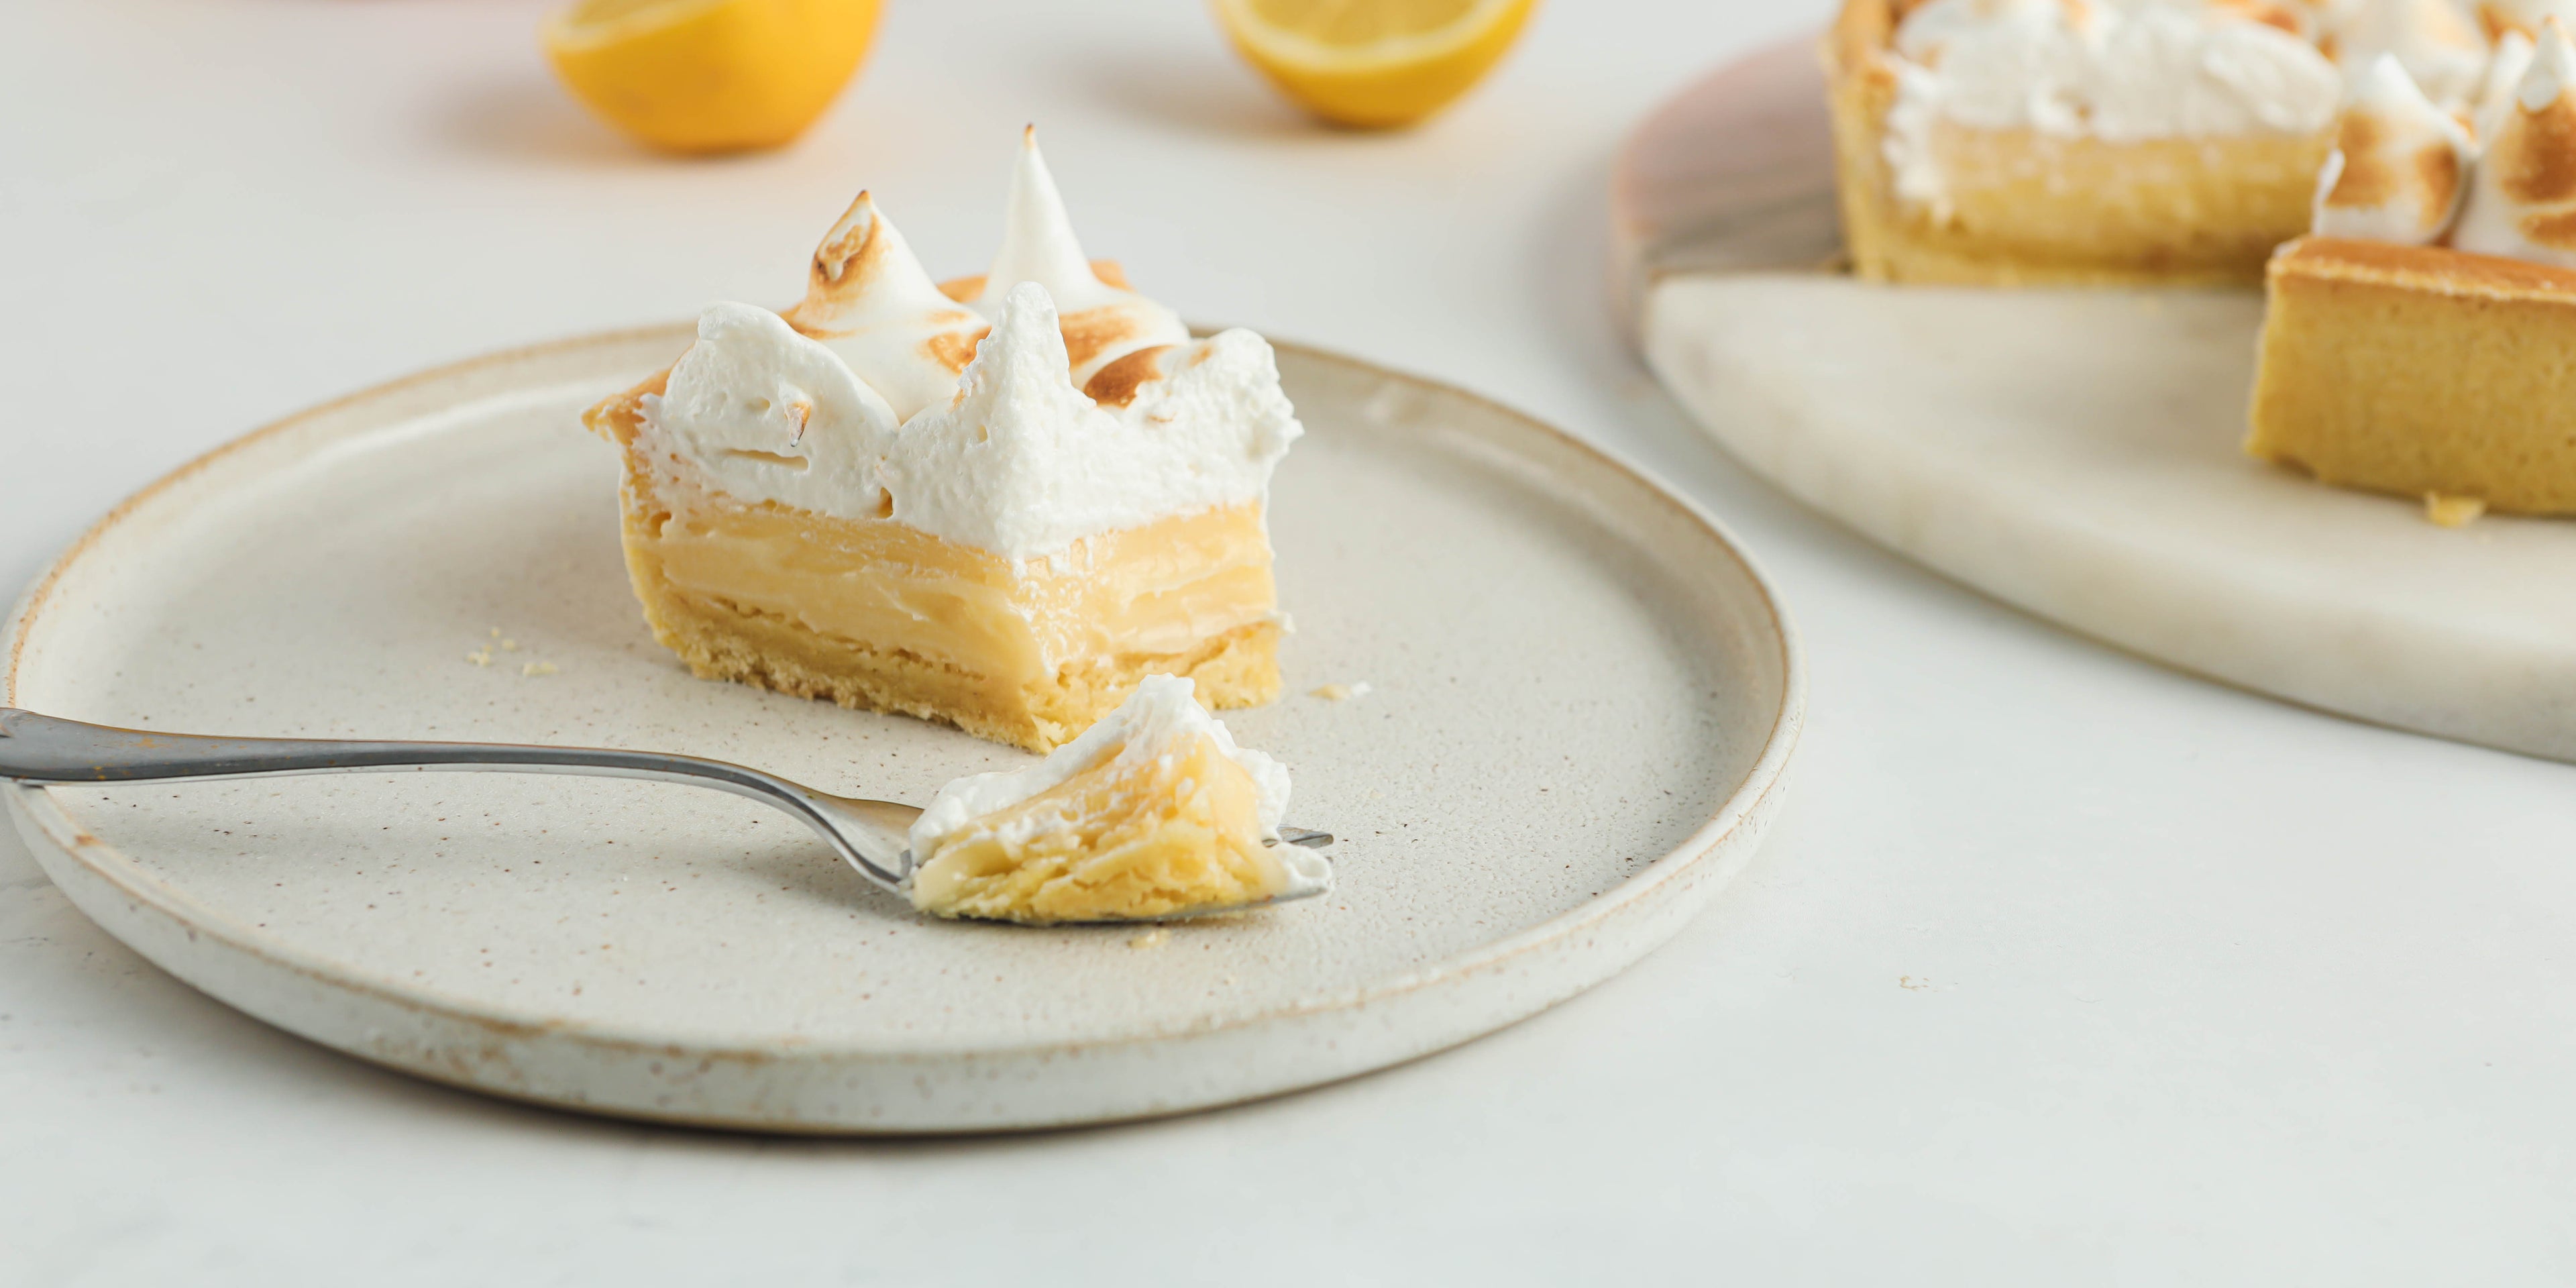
(1374, 63)
(710, 75)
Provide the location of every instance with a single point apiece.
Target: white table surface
(2061, 968)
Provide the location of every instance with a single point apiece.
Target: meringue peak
(2498, 94)
(2386, 85)
(861, 247)
(2399, 166)
(864, 272)
(2553, 68)
(1038, 244)
(869, 300)
(2440, 46)
(1103, 321)
(2523, 204)
(1024, 352)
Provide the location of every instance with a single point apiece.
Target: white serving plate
(2073, 452)
(1583, 701)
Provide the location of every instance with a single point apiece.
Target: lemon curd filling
(1154, 811)
(875, 614)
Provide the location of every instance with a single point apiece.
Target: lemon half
(1374, 63)
(710, 75)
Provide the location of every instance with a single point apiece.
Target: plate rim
(40, 814)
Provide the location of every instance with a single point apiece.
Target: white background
(2061, 968)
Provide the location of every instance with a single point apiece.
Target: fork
(871, 836)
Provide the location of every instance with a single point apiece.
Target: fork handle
(37, 749)
(46, 749)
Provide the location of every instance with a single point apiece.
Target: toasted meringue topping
(2505, 70)
(2134, 70)
(2523, 202)
(2297, 17)
(2524, 16)
(2120, 70)
(2435, 40)
(2552, 69)
(1102, 322)
(1018, 462)
(908, 337)
(2399, 166)
(1051, 404)
(871, 302)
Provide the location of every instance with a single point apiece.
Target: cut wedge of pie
(1154, 811)
(2418, 344)
(1001, 504)
(2421, 371)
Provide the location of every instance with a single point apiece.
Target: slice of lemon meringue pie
(999, 503)
(2416, 342)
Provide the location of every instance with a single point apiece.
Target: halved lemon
(1374, 63)
(710, 75)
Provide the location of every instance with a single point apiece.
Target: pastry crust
(2420, 371)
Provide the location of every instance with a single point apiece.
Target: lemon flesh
(1374, 64)
(702, 76)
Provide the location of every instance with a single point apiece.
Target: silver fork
(872, 836)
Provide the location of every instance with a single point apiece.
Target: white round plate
(1583, 698)
(2073, 452)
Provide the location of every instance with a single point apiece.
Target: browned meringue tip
(620, 416)
(2534, 155)
(2524, 200)
(1115, 384)
(955, 349)
(2283, 14)
(961, 289)
(1093, 332)
(848, 243)
(2400, 164)
(2431, 174)
(2497, 23)
(2376, 175)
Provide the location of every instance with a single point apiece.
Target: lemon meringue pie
(1154, 811)
(2417, 344)
(1001, 502)
(2102, 141)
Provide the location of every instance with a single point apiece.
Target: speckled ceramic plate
(2073, 452)
(1581, 702)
